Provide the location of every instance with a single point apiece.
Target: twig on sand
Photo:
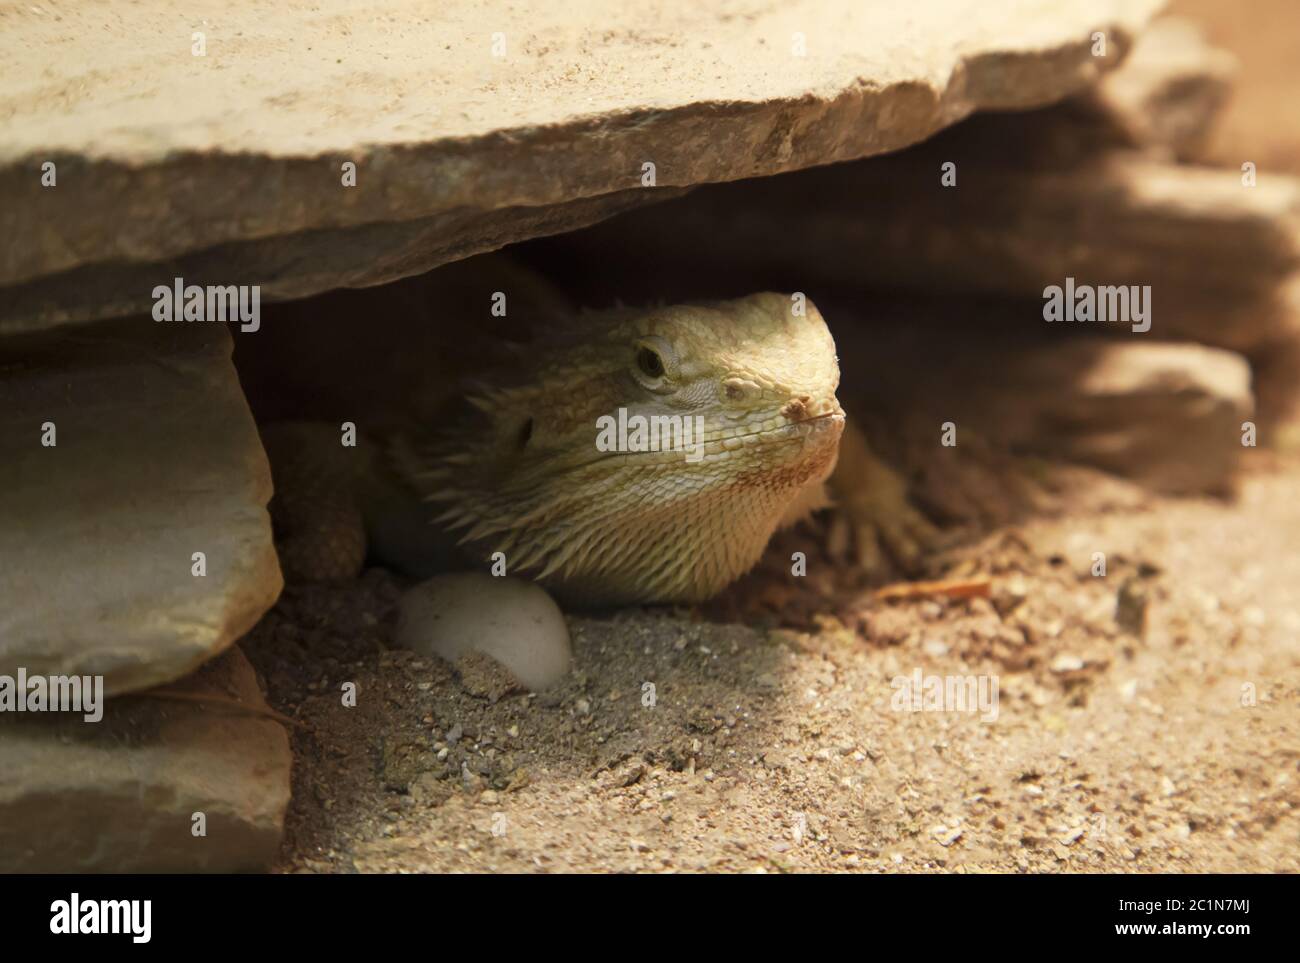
(959, 588)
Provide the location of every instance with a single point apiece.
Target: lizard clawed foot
(875, 525)
(878, 528)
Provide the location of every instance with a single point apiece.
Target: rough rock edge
(119, 795)
(300, 265)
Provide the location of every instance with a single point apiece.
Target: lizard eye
(648, 360)
(655, 364)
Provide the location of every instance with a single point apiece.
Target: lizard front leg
(315, 515)
(335, 506)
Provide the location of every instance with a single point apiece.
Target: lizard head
(645, 456)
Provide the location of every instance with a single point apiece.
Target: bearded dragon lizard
(519, 471)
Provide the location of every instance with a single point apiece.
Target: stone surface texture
(121, 795)
(1028, 210)
(471, 125)
(1171, 90)
(156, 457)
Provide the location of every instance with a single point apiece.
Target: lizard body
(521, 472)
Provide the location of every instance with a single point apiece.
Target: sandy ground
(770, 748)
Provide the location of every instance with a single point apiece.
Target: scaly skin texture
(525, 476)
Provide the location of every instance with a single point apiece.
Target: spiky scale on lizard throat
(526, 476)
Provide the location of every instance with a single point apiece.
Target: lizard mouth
(813, 432)
(836, 416)
(807, 427)
(779, 430)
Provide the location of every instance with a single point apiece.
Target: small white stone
(511, 620)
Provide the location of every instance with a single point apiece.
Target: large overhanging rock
(483, 125)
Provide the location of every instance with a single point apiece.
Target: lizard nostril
(797, 409)
(733, 391)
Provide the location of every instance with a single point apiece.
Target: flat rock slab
(121, 795)
(155, 458)
(455, 121)
(1168, 415)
